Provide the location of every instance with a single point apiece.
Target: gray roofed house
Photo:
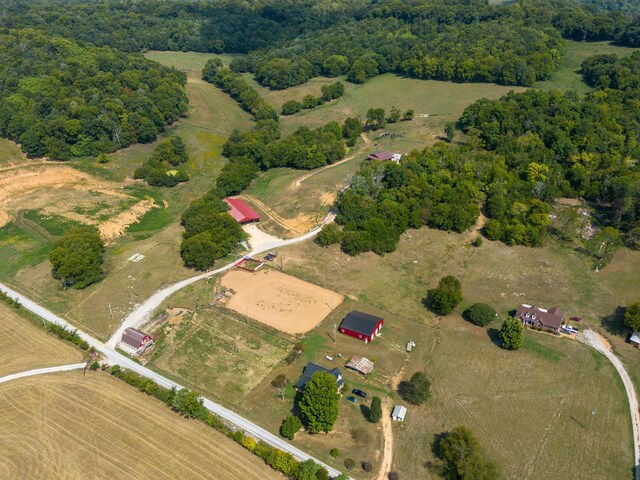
(312, 368)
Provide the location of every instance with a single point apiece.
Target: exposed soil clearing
(117, 226)
(285, 303)
(17, 185)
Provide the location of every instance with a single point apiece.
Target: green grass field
(522, 405)
(222, 354)
(568, 76)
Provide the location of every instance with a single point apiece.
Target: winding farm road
(115, 357)
(592, 339)
(142, 313)
(41, 371)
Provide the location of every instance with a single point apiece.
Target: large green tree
(76, 259)
(319, 403)
(464, 458)
(446, 296)
(480, 314)
(417, 390)
(632, 316)
(511, 334)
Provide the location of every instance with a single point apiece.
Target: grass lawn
(44, 349)
(474, 382)
(568, 76)
(74, 427)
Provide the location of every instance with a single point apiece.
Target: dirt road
(387, 435)
(296, 184)
(41, 371)
(594, 340)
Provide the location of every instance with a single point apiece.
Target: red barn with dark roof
(240, 211)
(361, 325)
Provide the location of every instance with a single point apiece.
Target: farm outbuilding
(240, 211)
(635, 339)
(362, 326)
(361, 365)
(398, 413)
(136, 339)
(386, 156)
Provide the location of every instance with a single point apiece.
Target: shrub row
(189, 404)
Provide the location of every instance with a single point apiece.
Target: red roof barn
(242, 212)
(136, 339)
(361, 325)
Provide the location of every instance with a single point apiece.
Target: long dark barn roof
(360, 322)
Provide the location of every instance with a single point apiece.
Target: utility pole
(111, 313)
(335, 334)
(593, 414)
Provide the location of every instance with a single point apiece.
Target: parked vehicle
(576, 319)
(352, 399)
(569, 329)
(359, 393)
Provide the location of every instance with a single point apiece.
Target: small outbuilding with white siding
(398, 413)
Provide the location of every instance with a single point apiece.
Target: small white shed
(398, 413)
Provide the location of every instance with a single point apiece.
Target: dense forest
(524, 151)
(290, 41)
(61, 99)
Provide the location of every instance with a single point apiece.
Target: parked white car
(569, 329)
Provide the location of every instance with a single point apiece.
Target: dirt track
(278, 300)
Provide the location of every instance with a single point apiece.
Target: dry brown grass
(279, 301)
(24, 346)
(530, 409)
(74, 427)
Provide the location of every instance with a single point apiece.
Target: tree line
(289, 42)
(189, 404)
(210, 232)
(308, 102)
(62, 99)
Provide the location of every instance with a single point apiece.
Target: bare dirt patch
(19, 184)
(116, 226)
(283, 302)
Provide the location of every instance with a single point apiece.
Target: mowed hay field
(530, 409)
(25, 346)
(279, 301)
(74, 427)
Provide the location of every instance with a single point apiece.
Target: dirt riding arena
(278, 300)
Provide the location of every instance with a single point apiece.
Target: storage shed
(398, 413)
(136, 339)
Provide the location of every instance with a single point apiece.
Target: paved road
(41, 371)
(114, 357)
(142, 313)
(593, 339)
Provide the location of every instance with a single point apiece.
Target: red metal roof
(242, 212)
